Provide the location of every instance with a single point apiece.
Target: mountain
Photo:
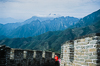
(52, 40)
(2, 37)
(33, 27)
(87, 20)
(6, 29)
(41, 18)
(37, 27)
(37, 18)
(9, 20)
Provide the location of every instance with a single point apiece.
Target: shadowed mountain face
(10, 20)
(34, 27)
(6, 29)
(89, 19)
(52, 40)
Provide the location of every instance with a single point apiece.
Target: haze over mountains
(36, 26)
(10, 20)
(70, 28)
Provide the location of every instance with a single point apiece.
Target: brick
(89, 46)
(94, 61)
(88, 60)
(82, 43)
(87, 53)
(96, 38)
(93, 50)
(82, 47)
(78, 47)
(73, 64)
(93, 57)
(82, 60)
(93, 42)
(88, 39)
(94, 53)
(82, 40)
(92, 64)
(84, 50)
(85, 57)
(77, 65)
(84, 63)
(95, 46)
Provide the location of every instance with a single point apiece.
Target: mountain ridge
(52, 40)
(89, 19)
(37, 27)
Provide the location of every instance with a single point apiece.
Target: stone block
(96, 38)
(88, 53)
(89, 46)
(84, 50)
(82, 47)
(94, 53)
(88, 39)
(78, 47)
(92, 64)
(77, 64)
(82, 43)
(82, 40)
(92, 50)
(85, 57)
(82, 60)
(95, 61)
(84, 64)
(88, 60)
(93, 57)
(93, 42)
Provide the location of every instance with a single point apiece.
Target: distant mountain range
(9, 20)
(52, 40)
(36, 26)
(88, 20)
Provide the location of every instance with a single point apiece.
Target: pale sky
(24, 9)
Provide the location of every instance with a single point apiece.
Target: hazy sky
(24, 9)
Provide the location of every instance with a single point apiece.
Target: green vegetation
(52, 40)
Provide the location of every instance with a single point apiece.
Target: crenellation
(53, 54)
(48, 55)
(84, 52)
(12, 54)
(19, 57)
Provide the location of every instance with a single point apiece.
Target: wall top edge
(81, 37)
(18, 49)
(2, 45)
(88, 35)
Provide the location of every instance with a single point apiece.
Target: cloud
(23, 9)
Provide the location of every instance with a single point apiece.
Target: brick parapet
(19, 57)
(84, 51)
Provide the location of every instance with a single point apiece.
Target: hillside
(37, 27)
(6, 29)
(87, 20)
(51, 40)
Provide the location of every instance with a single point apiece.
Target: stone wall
(19, 57)
(84, 51)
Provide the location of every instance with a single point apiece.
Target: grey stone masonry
(83, 51)
(19, 57)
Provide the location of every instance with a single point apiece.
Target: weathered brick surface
(81, 52)
(19, 57)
